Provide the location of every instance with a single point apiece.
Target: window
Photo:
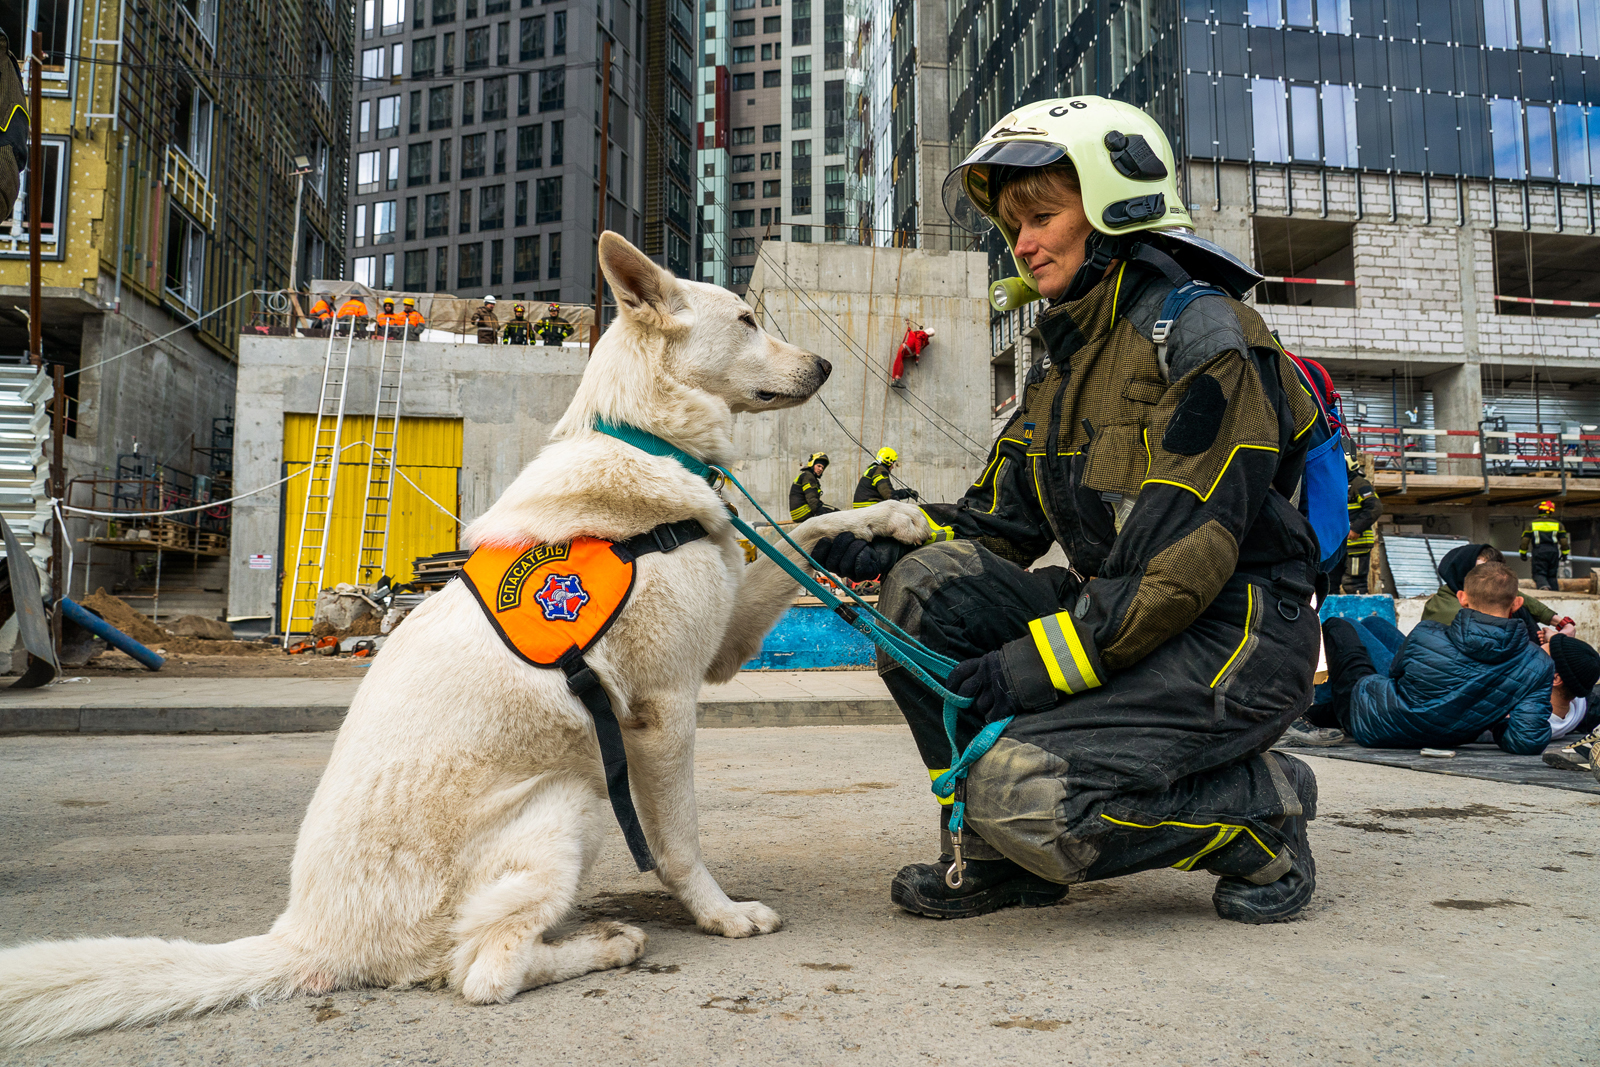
(319, 169)
(383, 222)
(389, 116)
(771, 187)
(496, 7)
(441, 270)
(744, 246)
(444, 159)
(554, 269)
(741, 275)
(204, 13)
(392, 179)
(364, 126)
(436, 216)
(419, 163)
(524, 93)
(772, 24)
(772, 79)
(500, 151)
(393, 15)
(322, 63)
(469, 266)
(416, 267)
(476, 48)
(1271, 120)
(494, 98)
(743, 5)
(191, 128)
(744, 82)
(1305, 248)
(497, 255)
(473, 154)
(530, 146)
(744, 135)
(1505, 130)
(367, 176)
(469, 102)
(411, 218)
(553, 89)
(447, 64)
(745, 54)
(372, 62)
(744, 190)
(547, 200)
(365, 270)
(397, 62)
(1578, 149)
(525, 259)
(492, 207)
(441, 102)
(416, 111)
(464, 211)
(186, 258)
(502, 52)
(558, 35)
(423, 58)
(772, 51)
(557, 143)
(743, 163)
(744, 28)
(530, 44)
(800, 233)
(771, 134)
(443, 11)
(1546, 266)
(521, 199)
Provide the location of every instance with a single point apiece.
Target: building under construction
(170, 134)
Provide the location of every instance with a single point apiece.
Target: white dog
(464, 798)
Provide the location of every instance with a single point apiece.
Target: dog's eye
(748, 319)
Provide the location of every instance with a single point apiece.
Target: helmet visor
(972, 190)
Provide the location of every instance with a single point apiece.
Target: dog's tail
(54, 989)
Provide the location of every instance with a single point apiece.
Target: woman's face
(1050, 241)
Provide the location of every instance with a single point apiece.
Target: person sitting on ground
(805, 492)
(1443, 605)
(1572, 712)
(1447, 684)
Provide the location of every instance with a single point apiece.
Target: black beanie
(1576, 662)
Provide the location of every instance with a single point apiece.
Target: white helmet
(489, 299)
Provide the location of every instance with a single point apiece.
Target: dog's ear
(641, 287)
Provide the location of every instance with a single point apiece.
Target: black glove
(850, 557)
(984, 680)
(906, 494)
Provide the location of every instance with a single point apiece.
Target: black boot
(1239, 895)
(986, 885)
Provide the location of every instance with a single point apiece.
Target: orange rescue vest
(547, 600)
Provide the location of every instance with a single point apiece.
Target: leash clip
(952, 877)
(958, 866)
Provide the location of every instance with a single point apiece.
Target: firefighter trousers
(1546, 565)
(1165, 765)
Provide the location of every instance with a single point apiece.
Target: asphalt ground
(1456, 922)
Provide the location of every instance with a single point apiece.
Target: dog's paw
(896, 519)
(620, 944)
(741, 919)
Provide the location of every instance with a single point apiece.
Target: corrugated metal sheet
(428, 452)
(1414, 562)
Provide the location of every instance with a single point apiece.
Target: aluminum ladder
(374, 553)
(311, 551)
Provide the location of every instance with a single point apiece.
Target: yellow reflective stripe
(986, 471)
(1148, 459)
(1547, 527)
(994, 490)
(1065, 658)
(940, 533)
(932, 776)
(800, 512)
(864, 504)
(1223, 837)
(1197, 826)
(1207, 494)
(1249, 612)
(1117, 291)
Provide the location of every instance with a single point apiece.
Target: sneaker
(1301, 734)
(1578, 756)
(1243, 901)
(897, 383)
(986, 886)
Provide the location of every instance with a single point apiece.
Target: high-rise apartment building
(476, 130)
(783, 134)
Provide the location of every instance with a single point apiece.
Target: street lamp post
(302, 167)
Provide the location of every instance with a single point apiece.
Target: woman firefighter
(1161, 450)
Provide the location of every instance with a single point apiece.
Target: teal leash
(906, 650)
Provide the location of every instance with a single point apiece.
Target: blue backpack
(1325, 488)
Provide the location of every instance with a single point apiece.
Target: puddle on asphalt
(1479, 905)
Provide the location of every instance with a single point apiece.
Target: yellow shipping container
(428, 451)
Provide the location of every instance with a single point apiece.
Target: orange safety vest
(321, 310)
(389, 318)
(414, 318)
(354, 308)
(547, 600)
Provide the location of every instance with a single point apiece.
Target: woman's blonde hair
(1054, 185)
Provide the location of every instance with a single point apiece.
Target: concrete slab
(1454, 924)
(151, 703)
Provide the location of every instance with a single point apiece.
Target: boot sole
(1238, 911)
(1561, 761)
(1015, 894)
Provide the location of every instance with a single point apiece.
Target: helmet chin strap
(1098, 252)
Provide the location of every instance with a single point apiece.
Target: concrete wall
(849, 305)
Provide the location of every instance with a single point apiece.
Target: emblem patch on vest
(508, 594)
(562, 597)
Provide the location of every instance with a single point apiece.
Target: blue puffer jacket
(1450, 683)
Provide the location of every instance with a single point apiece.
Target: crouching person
(1148, 681)
(1445, 685)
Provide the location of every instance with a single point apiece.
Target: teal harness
(929, 667)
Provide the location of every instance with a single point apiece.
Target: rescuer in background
(1364, 511)
(805, 495)
(875, 484)
(1547, 542)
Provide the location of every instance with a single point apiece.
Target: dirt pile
(138, 626)
(367, 625)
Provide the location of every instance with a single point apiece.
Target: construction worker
(1364, 511)
(1140, 691)
(487, 325)
(517, 330)
(414, 320)
(805, 495)
(912, 345)
(875, 484)
(1548, 541)
(552, 330)
(321, 315)
(390, 324)
(353, 315)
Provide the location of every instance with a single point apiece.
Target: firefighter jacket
(516, 332)
(1545, 532)
(552, 330)
(487, 324)
(1161, 489)
(873, 486)
(14, 131)
(1364, 509)
(805, 496)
